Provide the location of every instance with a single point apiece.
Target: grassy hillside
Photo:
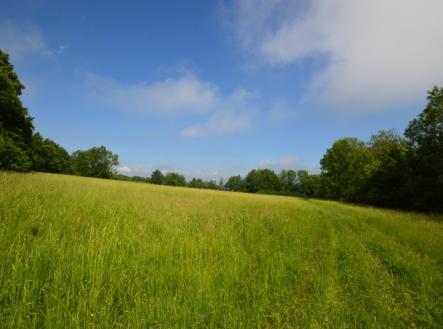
(87, 253)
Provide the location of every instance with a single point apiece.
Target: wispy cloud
(171, 96)
(376, 52)
(21, 40)
(233, 114)
(61, 49)
(289, 162)
(224, 115)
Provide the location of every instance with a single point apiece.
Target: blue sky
(216, 88)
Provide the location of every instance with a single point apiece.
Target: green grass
(88, 253)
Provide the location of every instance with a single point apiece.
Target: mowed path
(87, 253)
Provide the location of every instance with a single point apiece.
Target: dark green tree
(95, 162)
(221, 184)
(140, 179)
(16, 126)
(387, 182)
(262, 180)
(288, 180)
(310, 186)
(212, 185)
(425, 157)
(174, 179)
(235, 183)
(157, 177)
(197, 183)
(12, 156)
(344, 168)
(48, 156)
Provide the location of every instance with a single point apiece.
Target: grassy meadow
(88, 253)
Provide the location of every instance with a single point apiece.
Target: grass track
(87, 253)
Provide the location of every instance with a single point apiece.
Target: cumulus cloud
(283, 164)
(185, 95)
(233, 114)
(134, 170)
(124, 170)
(376, 52)
(170, 96)
(20, 40)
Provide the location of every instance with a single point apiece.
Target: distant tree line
(389, 170)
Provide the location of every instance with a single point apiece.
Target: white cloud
(223, 122)
(283, 164)
(20, 40)
(234, 114)
(170, 96)
(377, 52)
(224, 114)
(124, 170)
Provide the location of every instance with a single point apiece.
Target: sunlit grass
(88, 253)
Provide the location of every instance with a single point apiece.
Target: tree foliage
(424, 135)
(200, 183)
(48, 156)
(262, 180)
(388, 174)
(235, 183)
(12, 156)
(95, 162)
(16, 127)
(344, 167)
(174, 179)
(157, 177)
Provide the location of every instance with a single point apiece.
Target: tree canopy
(48, 156)
(16, 127)
(344, 167)
(235, 183)
(95, 162)
(262, 180)
(174, 179)
(157, 177)
(424, 135)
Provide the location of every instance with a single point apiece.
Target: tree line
(390, 170)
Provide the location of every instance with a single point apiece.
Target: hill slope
(86, 253)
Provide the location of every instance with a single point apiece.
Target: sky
(212, 89)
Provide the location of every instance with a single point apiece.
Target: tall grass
(87, 253)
